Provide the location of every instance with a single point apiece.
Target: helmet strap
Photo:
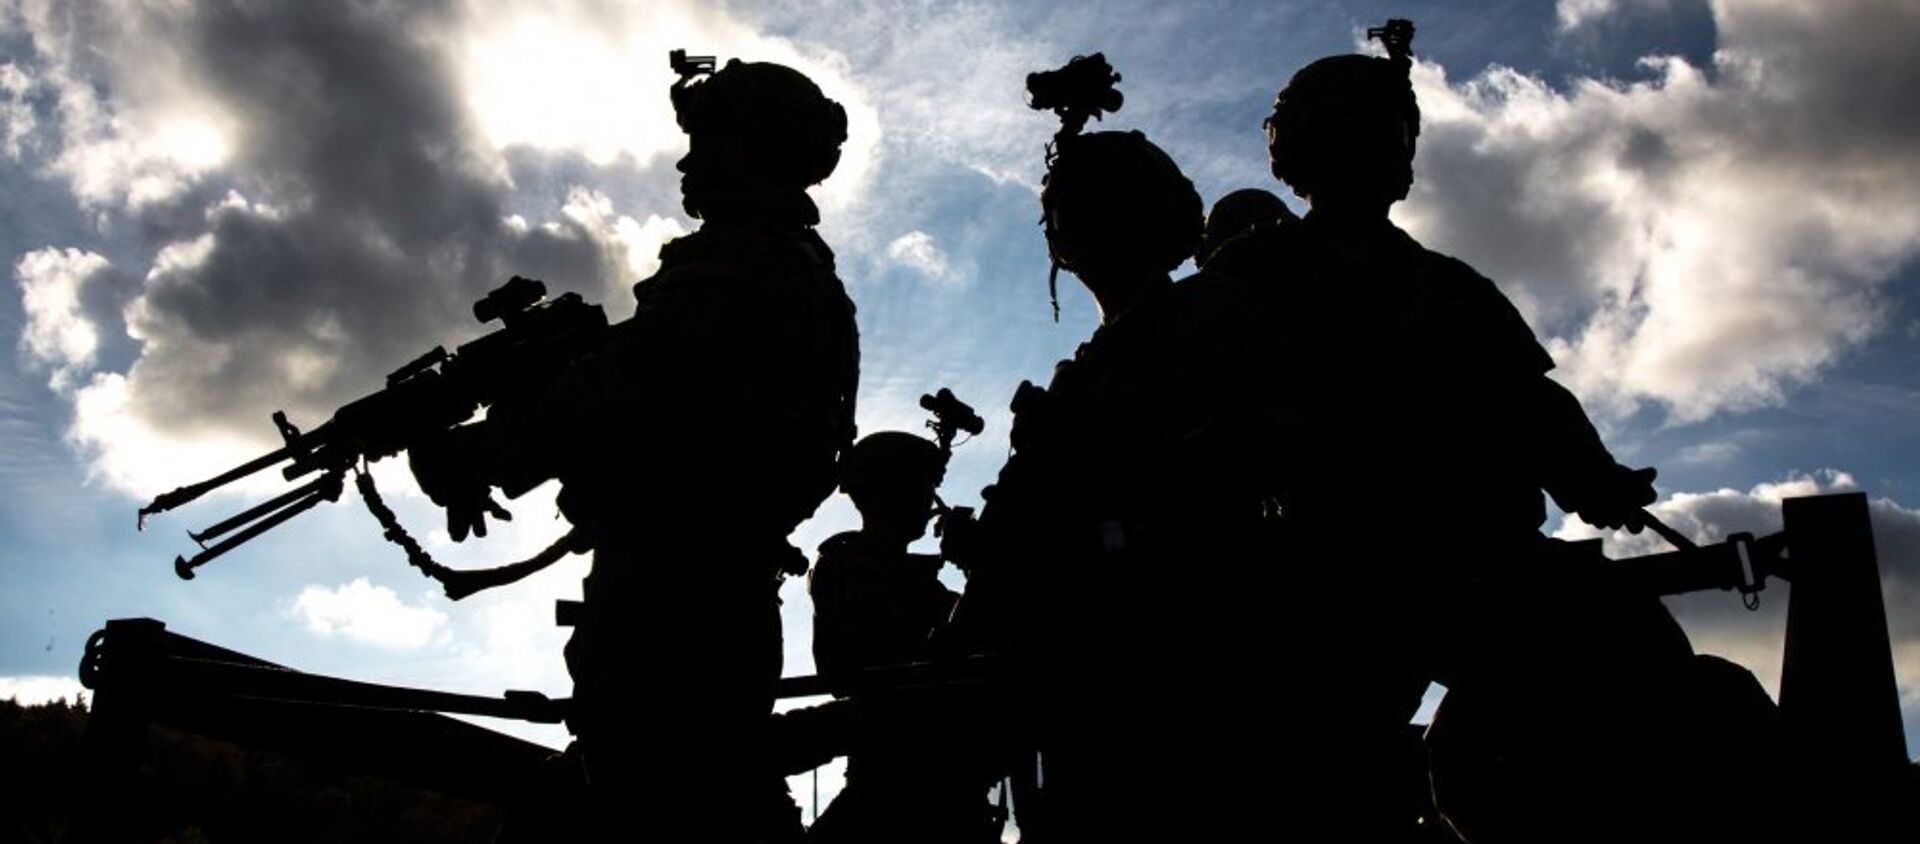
(1053, 289)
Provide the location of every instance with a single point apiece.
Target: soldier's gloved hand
(449, 470)
(470, 515)
(1615, 500)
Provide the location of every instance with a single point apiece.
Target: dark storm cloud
(355, 219)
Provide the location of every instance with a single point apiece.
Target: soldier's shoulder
(839, 542)
(1211, 299)
(844, 552)
(835, 556)
(1442, 268)
(748, 267)
(1479, 308)
(1258, 252)
(767, 249)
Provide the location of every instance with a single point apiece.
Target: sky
(1709, 212)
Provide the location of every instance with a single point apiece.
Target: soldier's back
(731, 388)
(1409, 373)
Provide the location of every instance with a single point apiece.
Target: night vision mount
(1397, 36)
(688, 67)
(1080, 89)
(951, 417)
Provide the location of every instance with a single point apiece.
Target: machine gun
(538, 337)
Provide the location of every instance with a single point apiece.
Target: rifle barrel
(169, 500)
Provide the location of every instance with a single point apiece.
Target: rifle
(537, 339)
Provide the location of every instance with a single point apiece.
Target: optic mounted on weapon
(514, 297)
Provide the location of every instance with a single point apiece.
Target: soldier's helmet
(890, 461)
(1328, 116)
(793, 129)
(1114, 199)
(1237, 213)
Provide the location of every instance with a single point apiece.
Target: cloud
(17, 120)
(35, 690)
(918, 251)
(146, 138)
(1709, 454)
(567, 76)
(319, 204)
(957, 130)
(955, 73)
(1574, 14)
(368, 614)
(1716, 621)
(58, 334)
(1701, 241)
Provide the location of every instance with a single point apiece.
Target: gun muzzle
(169, 500)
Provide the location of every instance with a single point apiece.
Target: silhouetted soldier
(875, 604)
(688, 449)
(1244, 212)
(1427, 408)
(918, 772)
(1114, 558)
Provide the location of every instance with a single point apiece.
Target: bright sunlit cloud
(197, 144)
(918, 251)
(58, 333)
(540, 80)
(580, 77)
(127, 452)
(1703, 240)
(368, 614)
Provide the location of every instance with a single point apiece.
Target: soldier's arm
(1573, 465)
(520, 444)
(1577, 469)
